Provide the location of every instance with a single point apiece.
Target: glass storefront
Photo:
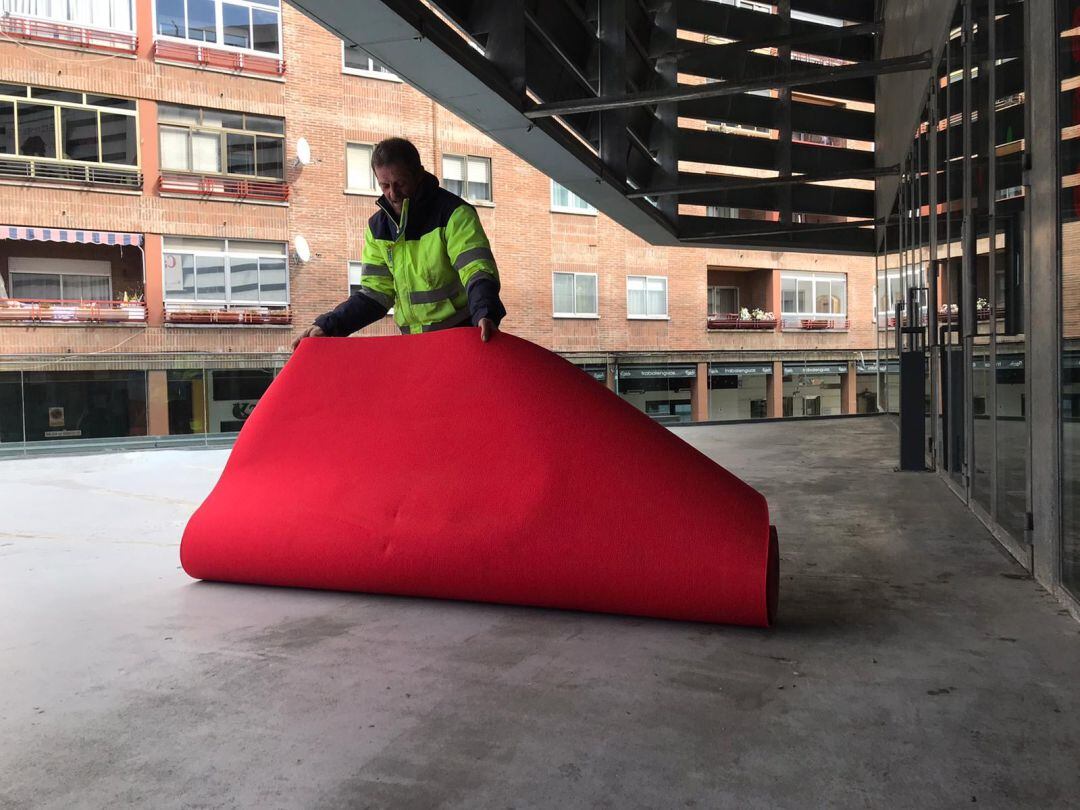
(44, 406)
(662, 392)
(738, 391)
(214, 401)
(813, 389)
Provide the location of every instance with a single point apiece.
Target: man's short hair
(396, 152)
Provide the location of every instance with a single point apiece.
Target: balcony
(46, 170)
(60, 311)
(226, 188)
(184, 53)
(206, 314)
(815, 323)
(735, 320)
(29, 29)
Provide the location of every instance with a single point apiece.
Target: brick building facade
(59, 353)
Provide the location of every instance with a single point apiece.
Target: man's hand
(311, 331)
(487, 329)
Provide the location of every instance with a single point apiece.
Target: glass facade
(43, 405)
(662, 392)
(738, 391)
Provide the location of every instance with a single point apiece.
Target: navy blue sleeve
(352, 314)
(484, 301)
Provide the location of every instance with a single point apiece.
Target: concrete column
(153, 281)
(149, 148)
(699, 394)
(611, 381)
(774, 391)
(157, 404)
(774, 294)
(144, 28)
(848, 389)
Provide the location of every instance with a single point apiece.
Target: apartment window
(565, 201)
(248, 25)
(359, 176)
(723, 300)
(646, 297)
(225, 271)
(37, 122)
(112, 14)
(468, 176)
(813, 294)
(220, 142)
(64, 279)
(360, 62)
(574, 295)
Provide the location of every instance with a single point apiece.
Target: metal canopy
(687, 121)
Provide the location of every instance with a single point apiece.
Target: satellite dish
(302, 248)
(303, 152)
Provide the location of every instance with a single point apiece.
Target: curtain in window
(657, 296)
(586, 295)
(564, 293)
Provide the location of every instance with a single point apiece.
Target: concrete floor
(914, 665)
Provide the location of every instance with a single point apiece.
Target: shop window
(574, 295)
(246, 25)
(84, 404)
(225, 271)
(233, 144)
(646, 297)
(564, 201)
(468, 176)
(359, 176)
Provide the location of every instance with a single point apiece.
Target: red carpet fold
(439, 466)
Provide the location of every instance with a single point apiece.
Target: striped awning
(69, 235)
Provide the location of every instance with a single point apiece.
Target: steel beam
(795, 78)
(738, 184)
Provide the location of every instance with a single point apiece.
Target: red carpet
(439, 466)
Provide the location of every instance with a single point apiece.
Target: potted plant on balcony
(133, 305)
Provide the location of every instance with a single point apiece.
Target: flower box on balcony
(828, 324)
(217, 58)
(31, 29)
(211, 186)
(34, 310)
(210, 315)
(735, 322)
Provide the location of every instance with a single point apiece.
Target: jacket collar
(429, 183)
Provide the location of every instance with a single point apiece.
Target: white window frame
(219, 29)
(588, 211)
(61, 276)
(373, 191)
(222, 134)
(372, 71)
(575, 314)
(813, 278)
(227, 255)
(648, 317)
(67, 20)
(465, 180)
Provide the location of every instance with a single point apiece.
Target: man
(425, 254)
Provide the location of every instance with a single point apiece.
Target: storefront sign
(596, 372)
(1006, 361)
(653, 372)
(62, 434)
(816, 370)
(873, 367)
(739, 371)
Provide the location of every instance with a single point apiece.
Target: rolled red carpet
(439, 466)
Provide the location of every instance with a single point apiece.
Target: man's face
(397, 183)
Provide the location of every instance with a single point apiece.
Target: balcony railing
(733, 321)
(825, 323)
(47, 170)
(199, 313)
(52, 310)
(36, 30)
(219, 58)
(201, 185)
